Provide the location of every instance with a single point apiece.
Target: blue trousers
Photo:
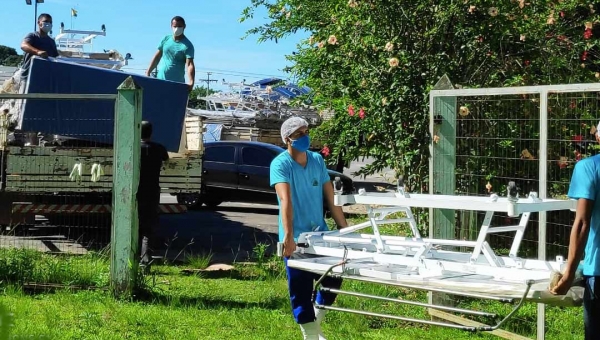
(300, 286)
(591, 308)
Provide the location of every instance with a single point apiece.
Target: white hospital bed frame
(421, 263)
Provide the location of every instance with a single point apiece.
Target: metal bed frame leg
(486, 328)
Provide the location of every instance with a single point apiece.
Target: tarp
(164, 103)
(213, 132)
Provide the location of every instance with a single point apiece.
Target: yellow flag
(73, 12)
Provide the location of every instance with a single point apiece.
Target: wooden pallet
(47, 170)
(270, 136)
(194, 130)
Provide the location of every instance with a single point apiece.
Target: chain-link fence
(532, 136)
(56, 187)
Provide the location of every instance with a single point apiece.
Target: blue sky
(137, 26)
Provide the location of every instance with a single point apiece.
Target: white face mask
(46, 27)
(177, 31)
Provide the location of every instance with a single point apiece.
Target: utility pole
(207, 81)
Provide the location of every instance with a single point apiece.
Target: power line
(223, 72)
(207, 81)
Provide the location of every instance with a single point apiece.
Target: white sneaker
(310, 330)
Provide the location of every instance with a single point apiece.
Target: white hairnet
(291, 125)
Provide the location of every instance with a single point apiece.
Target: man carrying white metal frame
(175, 55)
(301, 179)
(585, 238)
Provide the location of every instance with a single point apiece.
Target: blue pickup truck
(238, 171)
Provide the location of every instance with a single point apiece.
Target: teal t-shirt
(584, 184)
(174, 54)
(306, 188)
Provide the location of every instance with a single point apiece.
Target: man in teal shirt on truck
(175, 55)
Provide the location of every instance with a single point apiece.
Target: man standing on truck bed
(148, 196)
(39, 43)
(175, 54)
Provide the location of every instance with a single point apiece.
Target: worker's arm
(189, 65)
(280, 179)
(583, 189)
(287, 217)
(336, 211)
(27, 47)
(154, 62)
(191, 69)
(577, 242)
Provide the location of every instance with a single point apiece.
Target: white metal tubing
(487, 221)
(387, 316)
(494, 91)
(505, 229)
(407, 302)
(58, 96)
(543, 174)
(398, 241)
(452, 202)
(514, 270)
(68, 31)
(439, 290)
(514, 249)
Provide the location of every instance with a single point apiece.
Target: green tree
(9, 56)
(199, 91)
(374, 62)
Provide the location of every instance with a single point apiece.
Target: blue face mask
(301, 144)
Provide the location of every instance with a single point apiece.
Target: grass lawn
(252, 303)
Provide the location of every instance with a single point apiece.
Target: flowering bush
(382, 58)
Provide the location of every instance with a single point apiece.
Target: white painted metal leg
(413, 224)
(482, 236)
(371, 214)
(514, 249)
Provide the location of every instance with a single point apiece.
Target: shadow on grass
(156, 297)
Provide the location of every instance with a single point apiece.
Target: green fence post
(126, 176)
(442, 221)
(442, 172)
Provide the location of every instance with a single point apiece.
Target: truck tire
(212, 203)
(191, 201)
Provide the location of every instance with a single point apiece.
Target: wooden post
(442, 222)
(126, 176)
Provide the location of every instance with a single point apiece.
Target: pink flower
(587, 33)
(584, 55)
(361, 113)
(325, 151)
(351, 110)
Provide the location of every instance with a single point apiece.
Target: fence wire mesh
(56, 189)
(498, 141)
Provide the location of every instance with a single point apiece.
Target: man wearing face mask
(39, 43)
(301, 180)
(175, 55)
